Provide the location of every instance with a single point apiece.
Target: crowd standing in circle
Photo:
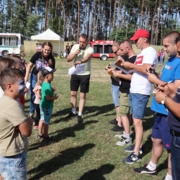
(135, 90)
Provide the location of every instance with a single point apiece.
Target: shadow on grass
(65, 157)
(89, 111)
(61, 134)
(162, 166)
(97, 174)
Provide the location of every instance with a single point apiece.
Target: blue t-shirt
(173, 121)
(170, 73)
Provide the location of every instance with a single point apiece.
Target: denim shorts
(46, 114)
(13, 167)
(115, 94)
(161, 130)
(138, 104)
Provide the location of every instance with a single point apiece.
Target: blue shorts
(115, 94)
(161, 130)
(138, 104)
(13, 167)
(46, 114)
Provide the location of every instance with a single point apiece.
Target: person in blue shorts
(160, 131)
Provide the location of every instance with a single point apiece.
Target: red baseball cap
(140, 33)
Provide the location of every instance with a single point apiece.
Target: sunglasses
(116, 51)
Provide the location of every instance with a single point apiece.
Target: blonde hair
(40, 78)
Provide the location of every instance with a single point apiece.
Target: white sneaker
(124, 141)
(119, 136)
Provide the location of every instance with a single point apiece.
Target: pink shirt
(37, 94)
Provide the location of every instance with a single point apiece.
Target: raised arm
(72, 55)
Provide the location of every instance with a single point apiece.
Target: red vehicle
(102, 49)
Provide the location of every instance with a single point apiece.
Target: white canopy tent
(55, 39)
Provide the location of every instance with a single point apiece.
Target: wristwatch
(163, 100)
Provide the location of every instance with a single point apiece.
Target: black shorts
(80, 80)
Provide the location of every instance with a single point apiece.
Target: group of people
(68, 49)
(161, 57)
(135, 90)
(15, 125)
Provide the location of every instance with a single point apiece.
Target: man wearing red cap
(140, 89)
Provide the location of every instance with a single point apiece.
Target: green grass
(86, 151)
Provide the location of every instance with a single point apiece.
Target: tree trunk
(141, 17)
(46, 15)
(36, 7)
(118, 18)
(114, 15)
(79, 10)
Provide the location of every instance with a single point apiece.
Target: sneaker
(114, 121)
(124, 141)
(132, 158)
(145, 170)
(48, 138)
(119, 135)
(40, 136)
(131, 149)
(79, 119)
(117, 128)
(71, 115)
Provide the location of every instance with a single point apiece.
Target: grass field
(87, 151)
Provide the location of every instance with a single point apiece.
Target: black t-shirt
(39, 64)
(113, 81)
(125, 84)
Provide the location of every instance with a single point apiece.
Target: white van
(11, 43)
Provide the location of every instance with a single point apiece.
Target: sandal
(40, 136)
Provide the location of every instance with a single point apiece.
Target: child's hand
(56, 96)
(54, 88)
